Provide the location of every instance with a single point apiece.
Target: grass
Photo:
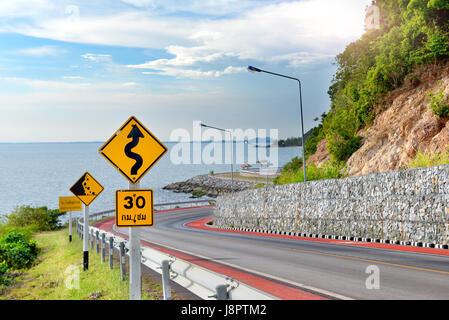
(330, 170)
(423, 160)
(59, 262)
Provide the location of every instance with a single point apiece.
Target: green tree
(412, 33)
(38, 219)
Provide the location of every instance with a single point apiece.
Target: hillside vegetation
(371, 72)
(17, 250)
(413, 33)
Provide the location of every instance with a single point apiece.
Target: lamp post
(232, 153)
(254, 69)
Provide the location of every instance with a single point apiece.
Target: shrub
(424, 160)
(13, 237)
(3, 273)
(294, 165)
(37, 219)
(198, 193)
(26, 230)
(330, 170)
(342, 149)
(439, 104)
(17, 251)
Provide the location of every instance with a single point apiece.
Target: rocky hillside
(405, 126)
(381, 113)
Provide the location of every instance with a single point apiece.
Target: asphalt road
(338, 271)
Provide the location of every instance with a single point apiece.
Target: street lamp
(254, 69)
(232, 153)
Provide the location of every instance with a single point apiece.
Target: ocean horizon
(38, 173)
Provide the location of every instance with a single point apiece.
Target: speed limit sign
(134, 208)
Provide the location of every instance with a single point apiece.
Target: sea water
(37, 174)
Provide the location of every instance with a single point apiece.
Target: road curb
(418, 247)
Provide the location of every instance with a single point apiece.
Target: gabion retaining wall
(410, 205)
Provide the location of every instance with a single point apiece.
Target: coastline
(207, 185)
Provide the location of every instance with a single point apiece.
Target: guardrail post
(97, 242)
(111, 252)
(222, 292)
(166, 280)
(122, 261)
(103, 248)
(70, 226)
(92, 240)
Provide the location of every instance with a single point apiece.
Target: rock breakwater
(208, 185)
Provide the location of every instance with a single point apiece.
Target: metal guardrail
(204, 283)
(159, 205)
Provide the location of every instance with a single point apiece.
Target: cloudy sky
(77, 70)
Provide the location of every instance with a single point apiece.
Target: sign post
(86, 189)
(135, 282)
(69, 204)
(133, 150)
(86, 238)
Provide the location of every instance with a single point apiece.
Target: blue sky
(77, 70)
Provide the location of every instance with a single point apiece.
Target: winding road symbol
(133, 150)
(135, 134)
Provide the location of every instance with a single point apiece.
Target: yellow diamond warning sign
(86, 188)
(134, 208)
(133, 150)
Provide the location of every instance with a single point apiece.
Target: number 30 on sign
(134, 208)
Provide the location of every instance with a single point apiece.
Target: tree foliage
(37, 219)
(412, 33)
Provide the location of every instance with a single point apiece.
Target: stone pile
(211, 186)
(410, 206)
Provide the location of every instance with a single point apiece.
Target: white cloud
(130, 84)
(261, 32)
(45, 84)
(196, 74)
(104, 96)
(125, 29)
(184, 56)
(314, 26)
(23, 8)
(73, 78)
(201, 7)
(297, 34)
(301, 59)
(141, 3)
(42, 51)
(294, 33)
(97, 57)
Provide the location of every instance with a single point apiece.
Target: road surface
(335, 270)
